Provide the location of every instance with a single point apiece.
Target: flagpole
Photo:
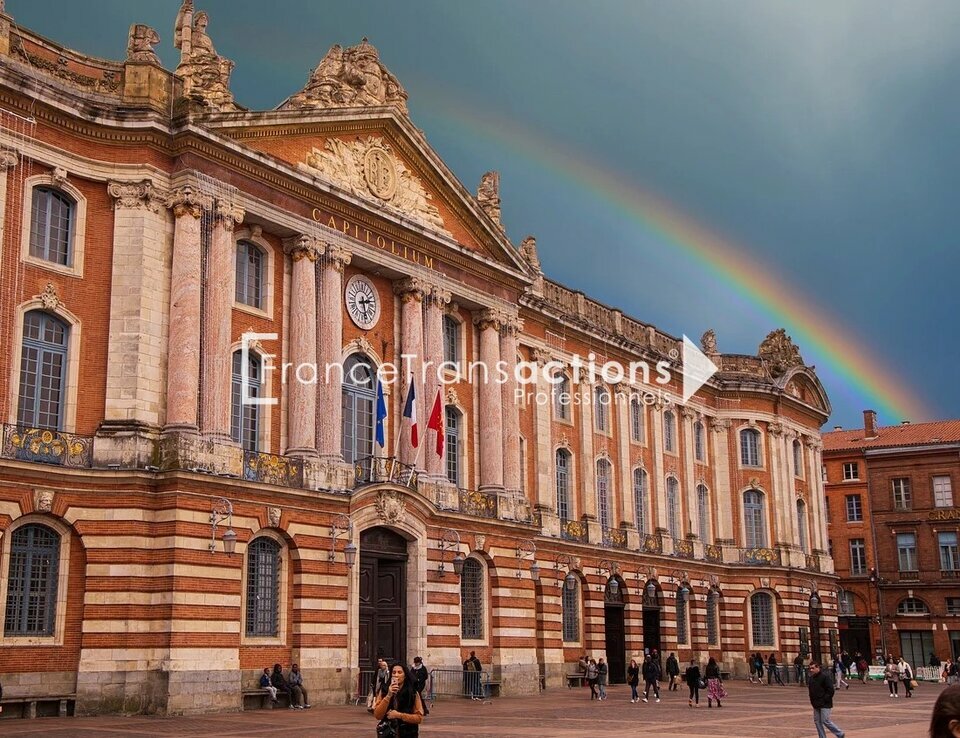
(396, 442)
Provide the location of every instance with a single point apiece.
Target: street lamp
(342, 525)
(569, 581)
(222, 509)
(450, 541)
(876, 580)
(526, 547)
(612, 567)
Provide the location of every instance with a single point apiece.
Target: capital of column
(510, 325)
(188, 200)
(8, 158)
(489, 318)
(228, 215)
(775, 429)
(304, 247)
(686, 413)
(134, 195)
(813, 444)
(334, 256)
(411, 288)
(720, 425)
(541, 356)
(438, 296)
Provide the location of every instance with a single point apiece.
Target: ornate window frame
(283, 585)
(78, 228)
(254, 235)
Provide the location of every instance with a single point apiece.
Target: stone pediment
(367, 167)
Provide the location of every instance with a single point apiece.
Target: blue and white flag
(381, 414)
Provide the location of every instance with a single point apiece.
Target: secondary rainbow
(844, 355)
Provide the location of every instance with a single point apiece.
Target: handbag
(913, 684)
(703, 684)
(370, 700)
(386, 729)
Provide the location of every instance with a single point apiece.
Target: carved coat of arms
(390, 507)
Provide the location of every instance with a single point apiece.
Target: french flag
(410, 411)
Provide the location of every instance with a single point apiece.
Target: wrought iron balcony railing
(614, 538)
(683, 549)
(573, 530)
(813, 563)
(652, 543)
(385, 469)
(283, 471)
(477, 503)
(760, 556)
(713, 553)
(47, 446)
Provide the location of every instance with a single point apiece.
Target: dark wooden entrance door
(616, 644)
(383, 597)
(651, 628)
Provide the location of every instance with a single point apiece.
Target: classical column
(217, 313)
(301, 396)
(183, 340)
(490, 418)
(411, 292)
(8, 158)
(725, 492)
(622, 408)
(774, 465)
(587, 471)
(658, 488)
(689, 474)
(542, 443)
(437, 299)
(818, 521)
(329, 411)
(511, 410)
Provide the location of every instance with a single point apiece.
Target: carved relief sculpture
(205, 74)
(488, 196)
(528, 250)
(350, 78)
(366, 166)
(140, 44)
(779, 353)
(390, 507)
(273, 517)
(708, 342)
(43, 500)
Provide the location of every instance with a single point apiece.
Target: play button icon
(697, 369)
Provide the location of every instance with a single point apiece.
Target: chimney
(870, 423)
(838, 427)
(904, 422)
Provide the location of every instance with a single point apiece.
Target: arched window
(451, 340)
(673, 507)
(263, 587)
(750, 447)
(452, 444)
(846, 605)
(636, 420)
(32, 581)
(669, 431)
(713, 618)
(245, 417)
(359, 395)
(913, 606)
(601, 406)
(250, 267)
(754, 519)
(641, 499)
(703, 513)
(43, 371)
(699, 442)
(761, 619)
(471, 600)
(561, 397)
(797, 459)
(51, 226)
(570, 601)
(603, 493)
(563, 485)
(683, 632)
(802, 525)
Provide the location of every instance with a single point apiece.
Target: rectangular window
(713, 638)
(851, 470)
(942, 491)
(854, 509)
(571, 614)
(916, 646)
(953, 605)
(823, 473)
(682, 633)
(858, 556)
(798, 459)
(949, 555)
(451, 341)
(637, 411)
(907, 551)
(699, 451)
(901, 493)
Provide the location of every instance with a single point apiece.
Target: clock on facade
(363, 302)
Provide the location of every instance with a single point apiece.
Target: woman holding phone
(400, 703)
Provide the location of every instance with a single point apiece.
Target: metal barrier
(365, 681)
(459, 683)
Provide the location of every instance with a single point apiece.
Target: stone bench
(46, 705)
(576, 679)
(257, 698)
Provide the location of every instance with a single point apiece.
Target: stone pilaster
(411, 292)
(779, 531)
(658, 490)
(689, 490)
(542, 445)
(137, 348)
(511, 409)
(491, 400)
(329, 412)
(217, 313)
(301, 396)
(436, 301)
(8, 158)
(183, 341)
(621, 407)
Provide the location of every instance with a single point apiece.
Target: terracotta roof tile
(914, 434)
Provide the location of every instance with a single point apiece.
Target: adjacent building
(893, 523)
(168, 255)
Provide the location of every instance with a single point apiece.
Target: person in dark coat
(280, 683)
(673, 672)
(633, 679)
(692, 678)
(651, 677)
(419, 675)
(821, 691)
(773, 669)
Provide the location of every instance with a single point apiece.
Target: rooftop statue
(205, 74)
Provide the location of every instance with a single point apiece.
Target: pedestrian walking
(773, 670)
(758, 665)
(863, 669)
(906, 676)
(838, 674)
(692, 678)
(799, 670)
(945, 720)
(633, 679)
(673, 673)
(602, 673)
(592, 675)
(891, 673)
(821, 690)
(651, 677)
(715, 690)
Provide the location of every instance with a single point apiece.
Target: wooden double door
(383, 597)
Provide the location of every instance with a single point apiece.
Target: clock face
(363, 302)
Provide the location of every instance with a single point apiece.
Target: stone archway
(382, 624)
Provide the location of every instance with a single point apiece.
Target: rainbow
(860, 370)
